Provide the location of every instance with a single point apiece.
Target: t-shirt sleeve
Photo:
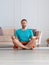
(31, 34)
(16, 34)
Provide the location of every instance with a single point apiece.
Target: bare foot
(27, 48)
(19, 48)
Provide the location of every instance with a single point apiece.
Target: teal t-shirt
(24, 36)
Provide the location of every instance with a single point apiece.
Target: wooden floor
(37, 56)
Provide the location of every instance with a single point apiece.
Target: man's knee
(15, 40)
(32, 39)
(12, 37)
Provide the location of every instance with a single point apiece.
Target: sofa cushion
(5, 39)
(6, 45)
(8, 32)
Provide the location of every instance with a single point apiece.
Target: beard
(23, 26)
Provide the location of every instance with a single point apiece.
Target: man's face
(24, 24)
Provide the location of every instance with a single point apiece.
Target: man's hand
(13, 37)
(35, 37)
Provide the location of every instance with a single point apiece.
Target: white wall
(27, 9)
(35, 11)
(6, 13)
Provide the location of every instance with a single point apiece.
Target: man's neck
(24, 28)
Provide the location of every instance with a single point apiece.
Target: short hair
(23, 20)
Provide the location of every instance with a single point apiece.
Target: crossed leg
(21, 46)
(31, 44)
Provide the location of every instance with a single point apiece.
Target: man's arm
(35, 37)
(13, 37)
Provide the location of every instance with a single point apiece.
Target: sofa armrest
(39, 34)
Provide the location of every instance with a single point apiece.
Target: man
(24, 38)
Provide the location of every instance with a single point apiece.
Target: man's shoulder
(29, 29)
(18, 30)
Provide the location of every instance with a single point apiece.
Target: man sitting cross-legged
(24, 38)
